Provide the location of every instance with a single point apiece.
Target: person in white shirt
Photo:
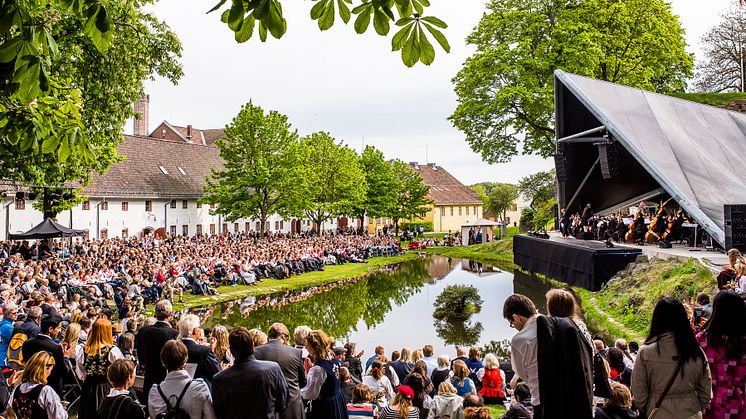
(430, 360)
(520, 312)
(33, 395)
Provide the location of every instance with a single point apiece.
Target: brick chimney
(142, 112)
(189, 132)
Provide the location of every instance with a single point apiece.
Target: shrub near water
(457, 302)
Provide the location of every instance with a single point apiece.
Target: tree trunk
(47, 205)
(262, 222)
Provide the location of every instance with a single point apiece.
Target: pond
(393, 308)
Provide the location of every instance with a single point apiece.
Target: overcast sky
(350, 85)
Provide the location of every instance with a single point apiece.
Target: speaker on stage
(560, 163)
(609, 159)
(664, 244)
(735, 227)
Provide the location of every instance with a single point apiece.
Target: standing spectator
(724, 342)
(348, 384)
(464, 385)
(92, 361)
(401, 407)
(322, 389)
(429, 358)
(460, 355)
(520, 312)
(507, 368)
(362, 406)
(403, 365)
(219, 345)
(44, 341)
(291, 362)
(10, 311)
(442, 373)
(379, 384)
(379, 351)
(178, 389)
(249, 385)
(629, 358)
(149, 342)
(420, 384)
(671, 352)
(353, 361)
(493, 381)
(34, 398)
(474, 363)
(202, 361)
(446, 403)
(121, 403)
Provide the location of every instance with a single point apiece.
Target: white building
(155, 187)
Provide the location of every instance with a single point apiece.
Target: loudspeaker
(560, 167)
(664, 244)
(735, 227)
(609, 155)
(20, 195)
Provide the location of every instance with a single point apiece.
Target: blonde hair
(72, 334)
(444, 361)
(221, 342)
(735, 258)
(406, 355)
(300, 334)
(446, 388)
(35, 369)
(99, 337)
(460, 371)
(404, 404)
(320, 343)
(620, 396)
(417, 355)
(258, 337)
(491, 362)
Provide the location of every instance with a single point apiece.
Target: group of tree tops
(270, 169)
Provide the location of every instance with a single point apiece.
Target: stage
(587, 264)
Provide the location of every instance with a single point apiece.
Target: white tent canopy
(481, 225)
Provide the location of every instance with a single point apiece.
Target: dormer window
(163, 170)
(181, 171)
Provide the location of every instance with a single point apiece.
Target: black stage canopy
(618, 146)
(48, 229)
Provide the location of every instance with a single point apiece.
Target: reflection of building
(439, 267)
(453, 203)
(477, 267)
(155, 188)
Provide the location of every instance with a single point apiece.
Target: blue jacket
(6, 333)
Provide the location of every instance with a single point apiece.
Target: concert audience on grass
(80, 345)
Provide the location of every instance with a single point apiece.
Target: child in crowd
(362, 406)
(521, 407)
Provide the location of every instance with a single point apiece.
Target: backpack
(173, 412)
(15, 355)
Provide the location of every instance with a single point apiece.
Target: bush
(426, 225)
(457, 302)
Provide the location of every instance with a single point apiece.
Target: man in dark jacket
(44, 341)
(250, 385)
(202, 362)
(149, 342)
(30, 326)
(565, 364)
(291, 361)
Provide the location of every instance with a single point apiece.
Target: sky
(349, 85)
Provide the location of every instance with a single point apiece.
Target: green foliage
(381, 184)
(526, 223)
(537, 188)
(712, 99)
(242, 16)
(457, 302)
(501, 199)
(426, 225)
(482, 191)
(505, 90)
(497, 347)
(261, 172)
(61, 131)
(333, 182)
(458, 332)
(410, 199)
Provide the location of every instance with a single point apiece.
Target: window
(125, 233)
(277, 225)
(235, 227)
(459, 210)
(199, 229)
(104, 205)
(212, 205)
(185, 230)
(258, 226)
(181, 171)
(125, 205)
(467, 210)
(212, 229)
(370, 220)
(282, 226)
(86, 205)
(514, 207)
(20, 204)
(475, 211)
(148, 206)
(225, 228)
(451, 211)
(173, 203)
(199, 205)
(184, 204)
(104, 233)
(86, 234)
(247, 227)
(163, 170)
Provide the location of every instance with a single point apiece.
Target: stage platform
(588, 264)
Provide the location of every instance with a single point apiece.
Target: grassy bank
(328, 275)
(499, 253)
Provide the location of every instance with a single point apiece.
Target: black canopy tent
(47, 229)
(617, 146)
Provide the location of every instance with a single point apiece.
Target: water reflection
(391, 308)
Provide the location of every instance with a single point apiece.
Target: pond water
(393, 308)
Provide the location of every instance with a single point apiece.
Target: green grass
(496, 410)
(712, 99)
(330, 274)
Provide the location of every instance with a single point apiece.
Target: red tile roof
(444, 188)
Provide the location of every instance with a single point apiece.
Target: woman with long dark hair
(723, 339)
(671, 355)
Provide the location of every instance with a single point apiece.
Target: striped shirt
(389, 413)
(362, 410)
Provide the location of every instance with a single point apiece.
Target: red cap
(406, 391)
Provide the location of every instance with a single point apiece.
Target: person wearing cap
(402, 403)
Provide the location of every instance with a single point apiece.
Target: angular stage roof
(695, 153)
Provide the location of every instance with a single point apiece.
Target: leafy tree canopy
(381, 184)
(410, 196)
(505, 90)
(457, 302)
(537, 188)
(261, 173)
(501, 199)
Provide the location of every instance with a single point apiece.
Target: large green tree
(333, 180)
(51, 144)
(261, 174)
(537, 188)
(410, 197)
(381, 183)
(505, 90)
(501, 199)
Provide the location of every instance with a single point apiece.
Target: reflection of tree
(497, 347)
(337, 311)
(456, 332)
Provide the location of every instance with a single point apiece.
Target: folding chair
(73, 389)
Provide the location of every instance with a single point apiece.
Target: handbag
(665, 392)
